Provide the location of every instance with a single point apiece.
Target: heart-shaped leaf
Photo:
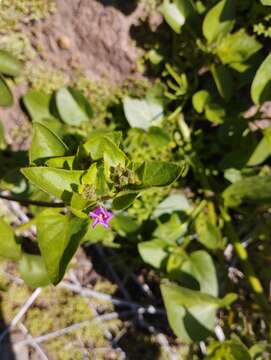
(59, 237)
(191, 314)
(56, 182)
(69, 109)
(142, 113)
(45, 144)
(200, 265)
(160, 173)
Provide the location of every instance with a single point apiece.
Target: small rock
(64, 42)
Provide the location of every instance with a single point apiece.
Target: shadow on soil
(126, 7)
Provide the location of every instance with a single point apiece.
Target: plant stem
(242, 254)
(239, 248)
(32, 202)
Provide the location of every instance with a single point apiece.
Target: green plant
(181, 168)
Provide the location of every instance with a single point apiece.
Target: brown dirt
(88, 36)
(83, 36)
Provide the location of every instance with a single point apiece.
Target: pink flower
(101, 216)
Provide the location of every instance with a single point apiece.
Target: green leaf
(103, 147)
(9, 248)
(45, 144)
(261, 85)
(37, 104)
(219, 20)
(200, 99)
(208, 233)
(177, 13)
(215, 113)
(251, 190)
(200, 265)
(33, 270)
(57, 182)
(176, 201)
(160, 173)
(6, 98)
(69, 109)
(191, 314)
(99, 234)
(82, 101)
(266, 2)
(158, 137)
(124, 224)
(262, 151)
(171, 231)
(154, 252)
(13, 181)
(9, 65)
(237, 47)
(58, 237)
(142, 113)
(124, 199)
(223, 80)
(62, 162)
(230, 350)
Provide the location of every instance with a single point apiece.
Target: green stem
(32, 202)
(239, 248)
(242, 254)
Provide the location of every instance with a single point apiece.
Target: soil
(86, 37)
(90, 36)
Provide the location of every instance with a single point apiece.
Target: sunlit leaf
(56, 182)
(219, 20)
(9, 248)
(58, 237)
(33, 270)
(45, 144)
(251, 190)
(70, 109)
(6, 98)
(191, 313)
(154, 252)
(9, 65)
(261, 85)
(142, 113)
